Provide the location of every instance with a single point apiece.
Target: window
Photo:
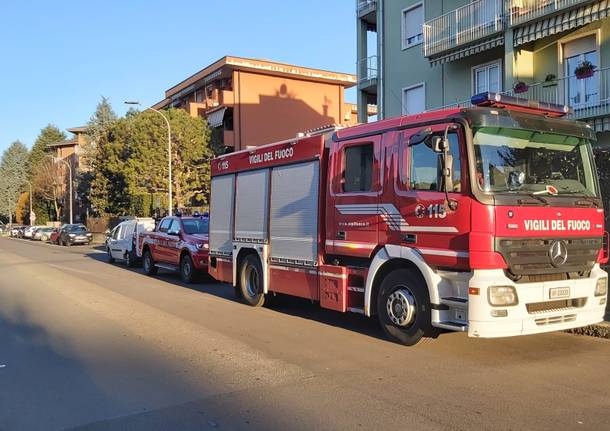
(581, 93)
(164, 225)
(175, 227)
(358, 170)
(414, 99)
(424, 163)
(115, 232)
(412, 25)
(487, 77)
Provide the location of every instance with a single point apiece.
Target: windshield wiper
(586, 198)
(537, 197)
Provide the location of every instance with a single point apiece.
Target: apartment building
(249, 102)
(417, 55)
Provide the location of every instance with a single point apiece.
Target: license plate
(559, 292)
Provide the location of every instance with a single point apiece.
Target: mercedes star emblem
(558, 252)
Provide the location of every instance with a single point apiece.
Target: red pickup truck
(177, 244)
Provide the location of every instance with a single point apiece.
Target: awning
(567, 20)
(467, 50)
(216, 118)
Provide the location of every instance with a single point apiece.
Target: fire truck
(486, 220)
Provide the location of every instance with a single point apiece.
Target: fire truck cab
(485, 219)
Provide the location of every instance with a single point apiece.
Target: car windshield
(524, 161)
(77, 229)
(194, 226)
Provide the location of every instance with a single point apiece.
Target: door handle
(341, 235)
(409, 238)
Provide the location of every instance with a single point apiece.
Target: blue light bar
(498, 100)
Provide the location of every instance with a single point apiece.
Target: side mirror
(436, 144)
(420, 136)
(447, 172)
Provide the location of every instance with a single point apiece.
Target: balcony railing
(588, 97)
(521, 11)
(462, 26)
(364, 7)
(367, 68)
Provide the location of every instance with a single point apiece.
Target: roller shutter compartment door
(221, 214)
(294, 213)
(251, 207)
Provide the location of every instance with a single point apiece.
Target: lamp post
(60, 160)
(31, 209)
(169, 151)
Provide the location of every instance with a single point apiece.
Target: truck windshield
(194, 226)
(533, 162)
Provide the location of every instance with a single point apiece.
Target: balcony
(588, 97)
(367, 11)
(522, 11)
(367, 73)
(463, 27)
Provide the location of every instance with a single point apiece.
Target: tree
(91, 189)
(131, 160)
(49, 184)
(38, 155)
(13, 176)
(48, 135)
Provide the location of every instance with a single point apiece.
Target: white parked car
(123, 240)
(29, 231)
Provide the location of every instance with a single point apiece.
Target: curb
(600, 330)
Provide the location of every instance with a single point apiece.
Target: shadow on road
(293, 306)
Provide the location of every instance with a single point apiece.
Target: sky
(58, 58)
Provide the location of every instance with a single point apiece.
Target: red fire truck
(486, 219)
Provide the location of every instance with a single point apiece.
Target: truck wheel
(110, 258)
(251, 281)
(187, 270)
(403, 307)
(149, 263)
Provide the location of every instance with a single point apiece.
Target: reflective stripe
(350, 244)
(436, 252)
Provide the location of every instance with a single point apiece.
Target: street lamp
(169, 149)
(31, 209)
(60, 160)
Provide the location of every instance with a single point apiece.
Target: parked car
(21, 231)
(29, 231)
(72, 234)
(177, 244)
(55, 236)
(43, 233)
(14, 231)
(123, 242)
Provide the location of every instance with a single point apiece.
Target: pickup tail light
(604, 253)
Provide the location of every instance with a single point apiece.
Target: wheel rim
(252, 280)
(401, 307)
(186, 268)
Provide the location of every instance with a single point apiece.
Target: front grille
(557, 305)
(555, 319)
(528, 257)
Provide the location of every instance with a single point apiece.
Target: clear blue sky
(57, 58)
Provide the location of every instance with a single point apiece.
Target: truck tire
(251, 281)
(148, 263)
(187, 269)
(403, 307)
(110, 258)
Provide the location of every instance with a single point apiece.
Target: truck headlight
(200, 246)
(601, 288)
(501, 296)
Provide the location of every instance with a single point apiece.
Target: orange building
(70, 149)
(251, 102)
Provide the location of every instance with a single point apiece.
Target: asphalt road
(91, 346)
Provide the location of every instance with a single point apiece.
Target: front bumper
(585, 310)
(200, 260)
(79, 240)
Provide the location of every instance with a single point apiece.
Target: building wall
(269, 108)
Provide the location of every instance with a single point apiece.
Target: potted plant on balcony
(585, 69)
(550, 80)
(520, 87)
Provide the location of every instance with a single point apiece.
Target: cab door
(355, 186)
(114, 242)
(438, 228)
(173, 242)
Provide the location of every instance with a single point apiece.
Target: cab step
(452, 326)
(455, 302)
(167, 266)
